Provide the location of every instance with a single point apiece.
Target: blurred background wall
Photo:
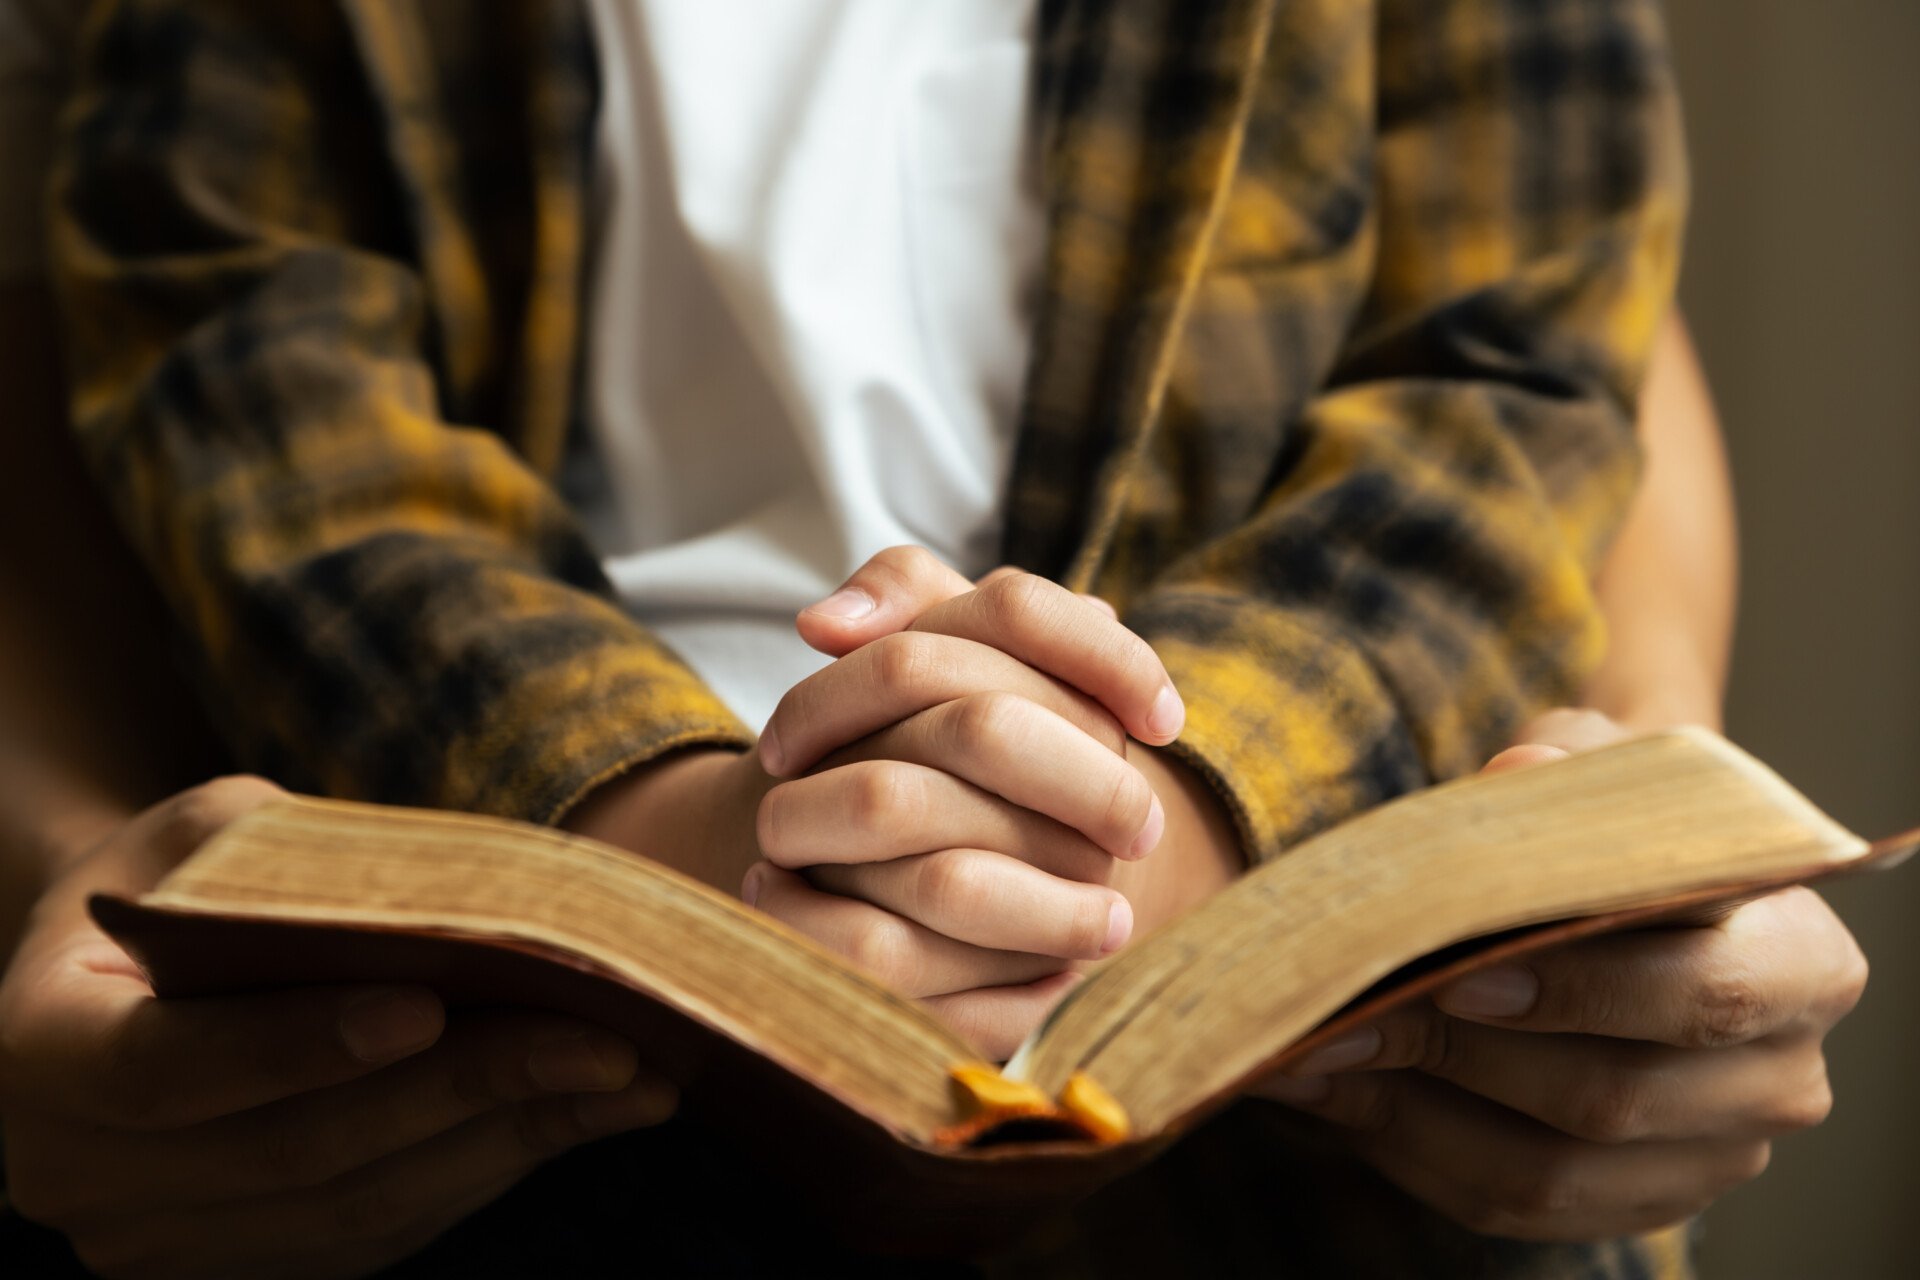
(1803, 287)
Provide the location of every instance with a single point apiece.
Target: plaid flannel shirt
(1332, 382)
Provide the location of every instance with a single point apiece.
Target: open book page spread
(1169, 1026)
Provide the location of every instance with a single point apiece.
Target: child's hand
(960, 788)
(1061, 661)
(912, 634)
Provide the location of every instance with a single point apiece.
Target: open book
(788, 1046)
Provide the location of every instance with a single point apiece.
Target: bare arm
(1668, 586)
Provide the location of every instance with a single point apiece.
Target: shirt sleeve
(1416, 580)
(36, 44)
(388, 602)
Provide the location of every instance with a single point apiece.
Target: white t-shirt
(816, 241)
(809, 306)
(36, 47)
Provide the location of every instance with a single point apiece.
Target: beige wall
(1803, 284)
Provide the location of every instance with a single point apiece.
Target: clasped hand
(950, 799)
(951, 835)
(1611, 1086)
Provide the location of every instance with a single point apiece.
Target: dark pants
(1251, 1194)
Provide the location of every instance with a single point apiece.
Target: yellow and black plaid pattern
(323, 263)
(1344, 311)
(1345, 317)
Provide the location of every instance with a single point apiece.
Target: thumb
(147, 846)
(884, 595)
(1555, 734)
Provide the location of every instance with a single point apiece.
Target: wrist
(1199, 854)
(691, 810)
(1656, 679)
(1648, 706)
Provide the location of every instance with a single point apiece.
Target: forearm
(1668, 586)
(82, 682)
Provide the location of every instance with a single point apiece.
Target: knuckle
(468, 1084)
(1441, 1049)
(1729, 1008)
(1369, 1101)
(1024, 595)
(888, 573)
(1524, 1201)
(289, 1157)
(1609, 1106)
(951, 884)
(1024, 603)
(906, 663)
(883, 948)
(1802, 1108)
(546, 1127)
(1579, 997)
(1851, 982)
(880, 794)
(371, 1210)
(1748, 1162)
(906, 563)
(1812, 1107)
(481, 1081)
(989, 722)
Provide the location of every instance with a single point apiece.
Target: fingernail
(1119, 927)
(845, 604)
(646, 1101)
(750, 886)
(772, 758)
(1301, 1091)
(385, 1025)
(1504, 992)
(1362, 1044)
(1167, 715)
(587, 1062)
(1150, 834)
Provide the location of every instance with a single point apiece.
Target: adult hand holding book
(346, 1123)
(1561, 1135)
(773, 1036)
(1605, 1087)
(805, 1059)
